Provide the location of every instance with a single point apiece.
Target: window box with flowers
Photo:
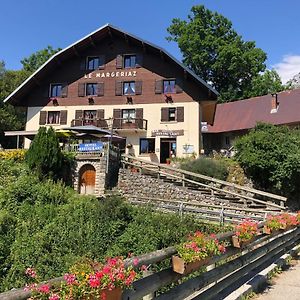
(196, 252)
(89, 280)
(245, 233)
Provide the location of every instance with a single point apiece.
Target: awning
(27, 134)
(88, 129)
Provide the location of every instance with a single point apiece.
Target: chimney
(274, 103)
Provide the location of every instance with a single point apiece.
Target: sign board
(169, 133)
(91, 147)
(188, 149)
(111, 74)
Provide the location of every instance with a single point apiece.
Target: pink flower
(106, 270)
(94, 281)
(45, 289)
(143, 268)
(135, 262)
(69, 278)
(30, 272)
(54, 297)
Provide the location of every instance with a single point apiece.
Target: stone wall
(133, 184)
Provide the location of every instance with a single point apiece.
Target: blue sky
(31, 25)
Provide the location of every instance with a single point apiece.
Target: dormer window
(129, 61)
(55, 90)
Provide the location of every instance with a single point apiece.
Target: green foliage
(37, 59)
(267, 83)
(270, 156)
(44, 155)
(215, 52)
(208, 167)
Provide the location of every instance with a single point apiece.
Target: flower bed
(90, 280)
(196, 252)
(244, 233)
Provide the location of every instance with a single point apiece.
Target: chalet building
(236, 118)
(113, 79)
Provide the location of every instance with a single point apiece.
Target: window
(93, 63)
(169, 86)
(129, 88)
(53, 117)
(129, 61)
(128, 114)
(89, 117)
(55, 90)
(91, 89)
(172, 114)
(147, 146)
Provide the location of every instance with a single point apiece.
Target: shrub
(208, 167)
(15, 155)
(44, 155)
(270, 156)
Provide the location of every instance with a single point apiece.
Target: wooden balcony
(118, 123)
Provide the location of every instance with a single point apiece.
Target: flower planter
(181, 267)
(267, 230)
(237, 243)
(115, 294)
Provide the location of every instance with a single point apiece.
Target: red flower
(94, 281)
(45, 289)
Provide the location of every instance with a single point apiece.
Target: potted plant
(196, 252)
(90, 280)
(244, 233)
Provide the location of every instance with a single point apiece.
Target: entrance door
(87, 180)
(167, 149)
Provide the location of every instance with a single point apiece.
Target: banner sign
(162, 132)
(92, 147)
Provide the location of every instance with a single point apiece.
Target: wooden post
(158, 173)
(183, 180)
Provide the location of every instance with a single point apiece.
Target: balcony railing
(118, 123)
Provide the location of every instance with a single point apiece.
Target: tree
(267, 83)
(37, 59)
(215, 52)
(270, 156)
(44, 155)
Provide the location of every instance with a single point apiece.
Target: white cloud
(288, 67)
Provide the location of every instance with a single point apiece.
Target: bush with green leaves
(44, 155)
(270, 156)
(207, 166)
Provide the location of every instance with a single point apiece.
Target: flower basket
(181, 267)
(238, 243)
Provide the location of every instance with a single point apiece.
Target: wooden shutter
(158, 86)
(139, 118)
(83, 64)
(138, 87)
(100, 119)
(100, 89)
(139, 60)
(43, 117)
(78, 118)
(81, 89)
(46, 91)
(119, 61)
(101, 62)
(165, 114)
(178, 86)
(180, 114)
(117, 115)
(64, 90)
(119, 88)
(63, 117)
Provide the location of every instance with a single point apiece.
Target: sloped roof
(244, 114)
(82, 44)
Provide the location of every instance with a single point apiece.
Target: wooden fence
(215, 186)
(222, 271)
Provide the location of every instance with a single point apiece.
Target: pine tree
(44, 155)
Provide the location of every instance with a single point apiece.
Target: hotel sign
(91, 147)
(169, 133)
(111, 74)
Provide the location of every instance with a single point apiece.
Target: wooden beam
(92, 42)
(126, 38)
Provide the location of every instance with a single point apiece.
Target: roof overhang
(82, 44)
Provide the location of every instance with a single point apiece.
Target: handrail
(207, 178)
